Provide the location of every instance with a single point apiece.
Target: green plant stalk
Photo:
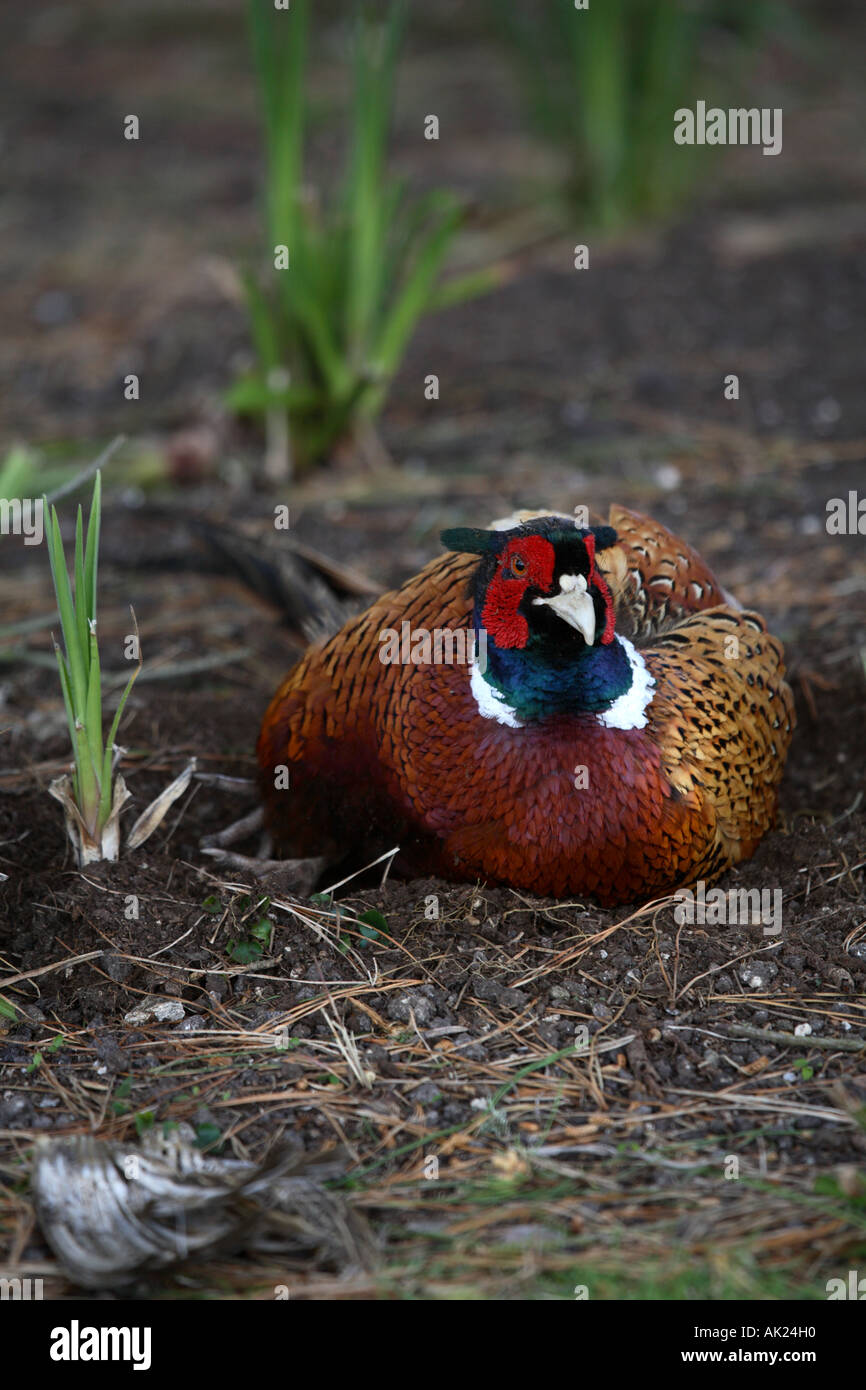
(363, 268)
(279, 44)
(600, 61)
(603, 84)
(80, 674)
(367, 187)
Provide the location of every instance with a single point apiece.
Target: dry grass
(576, 1164)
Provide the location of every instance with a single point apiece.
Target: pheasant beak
(574, 605)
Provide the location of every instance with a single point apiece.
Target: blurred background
(135, 256)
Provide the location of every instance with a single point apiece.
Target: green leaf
(206, 1135)
(81, 612)
(93, 731)
(65, 607)
(461, 288)
(279, 44)
(414, 296)
(264, 326)
(373, 924)
(112, 733)
(91, 553)
(252, 395)
(244, 952)
(826, 1185)
(63, 669)
(374, 85)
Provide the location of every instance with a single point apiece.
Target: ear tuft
(470, 540)
(605, 537)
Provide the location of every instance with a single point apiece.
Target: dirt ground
(492, 1154)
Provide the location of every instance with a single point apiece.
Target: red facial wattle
(535, 557)
(500, 616)
(596, 580)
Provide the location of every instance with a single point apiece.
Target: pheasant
(617, 728)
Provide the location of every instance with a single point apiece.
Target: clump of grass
(330, 328)
(91, 794)
(603, 84)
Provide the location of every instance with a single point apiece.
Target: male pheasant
(620, 732)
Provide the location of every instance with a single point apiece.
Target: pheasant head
(545, 620)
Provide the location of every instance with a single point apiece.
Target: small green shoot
(207, 1135)
(120, 1100)
(92, 796)
(245, 952)
(373, 926)
(50, 1048)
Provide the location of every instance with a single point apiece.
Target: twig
(47, 969)
(389, 854)
(88, 472)
(745, 1030)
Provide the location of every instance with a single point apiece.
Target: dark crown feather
(473, 540)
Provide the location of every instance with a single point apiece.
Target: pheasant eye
(518, 564)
